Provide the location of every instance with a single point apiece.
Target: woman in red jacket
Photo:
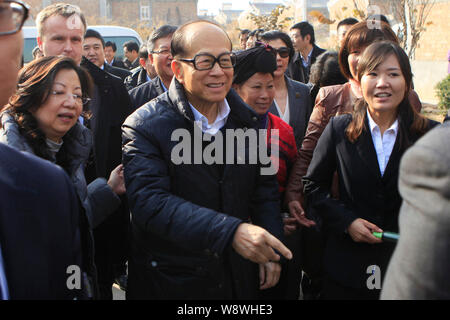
(254, 81)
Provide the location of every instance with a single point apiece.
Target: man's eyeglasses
(164, 52)
(206, 61)
(13, 15)
(283, 52)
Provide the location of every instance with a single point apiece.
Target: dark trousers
(111, 248)
(313, 245)
(288, 287)
(333, 290)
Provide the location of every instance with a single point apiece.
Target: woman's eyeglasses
(13, 15)
(63, 96)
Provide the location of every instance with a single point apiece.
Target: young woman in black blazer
(364, 148)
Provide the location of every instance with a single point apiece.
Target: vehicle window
(119, 43)
(30, 43)
(28, 47)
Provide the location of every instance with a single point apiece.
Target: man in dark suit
(94, 51)
(110, 55)
(131, 52)
(144, 73)
(306, 51)
(110, 106)
(39, 235)
(420, 263)
(159, 46)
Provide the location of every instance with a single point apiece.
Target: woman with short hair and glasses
(292, 101)
(42, 118)
(292, 104)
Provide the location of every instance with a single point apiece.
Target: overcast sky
(213, 6)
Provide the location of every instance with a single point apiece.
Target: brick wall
(435, 41)
(173, 12)
(126, 11)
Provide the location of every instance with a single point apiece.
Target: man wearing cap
(191, 231)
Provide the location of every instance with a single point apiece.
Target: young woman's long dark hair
(34, 86)
(409, 119)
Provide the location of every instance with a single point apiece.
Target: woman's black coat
(363, 193)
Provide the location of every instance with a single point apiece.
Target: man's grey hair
(161, 32)
(63, 9)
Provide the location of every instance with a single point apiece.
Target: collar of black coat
(158, 84)
(240, 113)
(96, 73)
(136, 70)
(78, 140)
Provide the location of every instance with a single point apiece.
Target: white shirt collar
(202, 121)
(373, 125)
(309, 56)
(284, 116)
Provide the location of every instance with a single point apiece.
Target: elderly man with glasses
(39, 235)
(199, 227)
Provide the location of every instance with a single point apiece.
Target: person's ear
(142, 62)
(150, 56)
(39, 42)
(177, 70)
(308, 38)
(236, 87)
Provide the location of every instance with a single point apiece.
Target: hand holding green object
(387, 236)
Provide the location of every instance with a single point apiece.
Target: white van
(118, 35)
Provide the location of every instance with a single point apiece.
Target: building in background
(129, 13)
(264, 7)
(227, 14)
(430, 60)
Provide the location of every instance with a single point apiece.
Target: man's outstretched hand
(257, 244)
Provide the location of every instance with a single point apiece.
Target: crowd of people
(156, 172)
